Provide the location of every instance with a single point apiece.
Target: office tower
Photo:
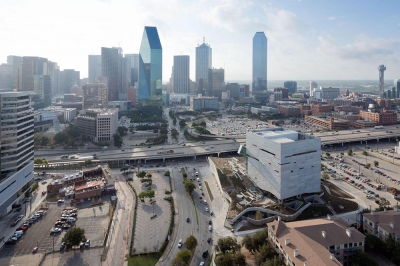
(31, 66)
(285, 92)
(111, 68)
(42, 87)
(381, 69)
(132, 68)
(16, 62)
(95, 95)
(389, 94)
(291, 86)
(16, 160)
(68, 78)
(181, 74)
(259, 62)
(394, 93)
(313, 85)
(94, 67)
(216, 82)
(6, 77)
(283, 162)
(203, 64)
(165, 97)
(53, 70)
(234, 90)
(397, 86)
(150, 65)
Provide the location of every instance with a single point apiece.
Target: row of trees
(68, 137)
(41, 161)
(183, 257)
(40, 140)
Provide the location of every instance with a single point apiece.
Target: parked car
(35, 249)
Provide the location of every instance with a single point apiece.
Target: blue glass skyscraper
(150, 65)
(259, 62)
(203, 64)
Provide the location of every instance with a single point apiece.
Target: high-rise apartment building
(6, 77)
(181, 74)
(259, 62)
(17, 152)
(150, 65)
(216, 82)
(95, 95)
(94, 67)
(283, 162)
(111, 68)
(42, 87)
(16, 62)
(68, 78)
(291, 86)
(203, 64)
(31, 66)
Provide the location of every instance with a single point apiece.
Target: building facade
(382, 223)
(285, 163)
(291, 86)
(197, 103)
(111, 68)
(216, 82)
(181, 74)
(383, 118)
(203, 64)
(285, 92)
(95, 96)
(16, 62)
(259, 62)
(6, 77)
(94, 67)
(150, 65)
(31, 66)
(17, 151)
(289, 110)
(69, 78)
(98, 124)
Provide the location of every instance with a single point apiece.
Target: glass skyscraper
(111, 68)
(181, 74)
(150, 65)
(203, 64)
(259, 62)
(291, 86)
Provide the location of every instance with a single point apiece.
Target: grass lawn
(143, 260)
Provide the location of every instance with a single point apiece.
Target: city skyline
(306, 39)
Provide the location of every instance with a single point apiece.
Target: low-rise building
(329, 123)
(289, 110)
(319, 109)
(201, 102)
(98, 124)
(383, 118)
(122, 106)
(382, 223)
(321, 242)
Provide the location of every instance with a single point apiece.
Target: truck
(378, 127)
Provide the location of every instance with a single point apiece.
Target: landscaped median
(189, 186)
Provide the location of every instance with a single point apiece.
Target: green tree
(203, 123)
(149, 175)
(189, 186)
(376, 163)
(325, 176)
(275, 261)
(265, 252)
(167, 173)
(184, 175)
(88, 162)
(374, 244)
(342, 154)
(74, 237)
(117, 140)
(146, 194)
(178, 261)
(350, 152)
(258, 215)
(224, 260)
(38, 161)
(368, 165)
(328, 154)
(191, 243)
(238, 259)
(122, 131)
(185, 255)
(365, 153)
(228, 243)
(248, 242)
(182, 123)
(390, 246)
(362, 259)
(38, 138)
(61, 137)
(141, 174)
(45, 141)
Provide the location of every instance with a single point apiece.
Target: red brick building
(289, 110)
(319, 109)
(384, 118)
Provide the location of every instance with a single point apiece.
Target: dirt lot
(338, 204)
(336, 191)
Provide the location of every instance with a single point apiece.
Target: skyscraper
(203, 64)
(181, 74)
(95, 95)
(216, 82)
(16, 160)
(6, 76)
(16, 62)
(313, 85)
(259, 62)
(31, 66)
(42, 87)
(94, 67)
(291, 86)
(397, 86)
(150, 65)
(132, 68)
(381, 69)
(68, 78)
(111, 68)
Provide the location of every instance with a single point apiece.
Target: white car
(201, 263)
(210, 228)
(180, 243)
(60, 201)
(206, 209)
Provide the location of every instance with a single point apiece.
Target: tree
(342, 154)
(122, 131)
(149, 175)
(45, 141)
(376, 163)
(366, 155)
(265, 252)
(248, 242)
(117, 140)
(174, 121)
(328, 154)
(141, 174)
(203, 123)
(38, 138)
(178, 261)
(362, 259)
(258, 215)
(368, 165)
(275, 261)
(61, 137)
(38, 161)
(146, 194)
(390, 246)
(182, 123)
(228, 243)
(350, 152)
(224, 260)
(167, 173)
(184, 175)
(191, 243)
(239, 259)
(325, 176)
(189, 186)
(88, 162)
(185, 255)
(74, 237)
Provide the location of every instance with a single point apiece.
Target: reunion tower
(381, 69)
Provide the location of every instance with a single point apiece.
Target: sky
(307, 39)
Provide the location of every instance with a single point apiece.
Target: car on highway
(209, 240)
(187, 219)
(205, 254)
(206, 209)
(201, 263)
(180, 243)
(210, 228)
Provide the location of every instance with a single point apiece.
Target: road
(185, 209)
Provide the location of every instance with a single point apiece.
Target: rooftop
(88, 185)
(388, 220)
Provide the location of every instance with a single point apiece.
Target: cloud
(363, 48)
(332, 18)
